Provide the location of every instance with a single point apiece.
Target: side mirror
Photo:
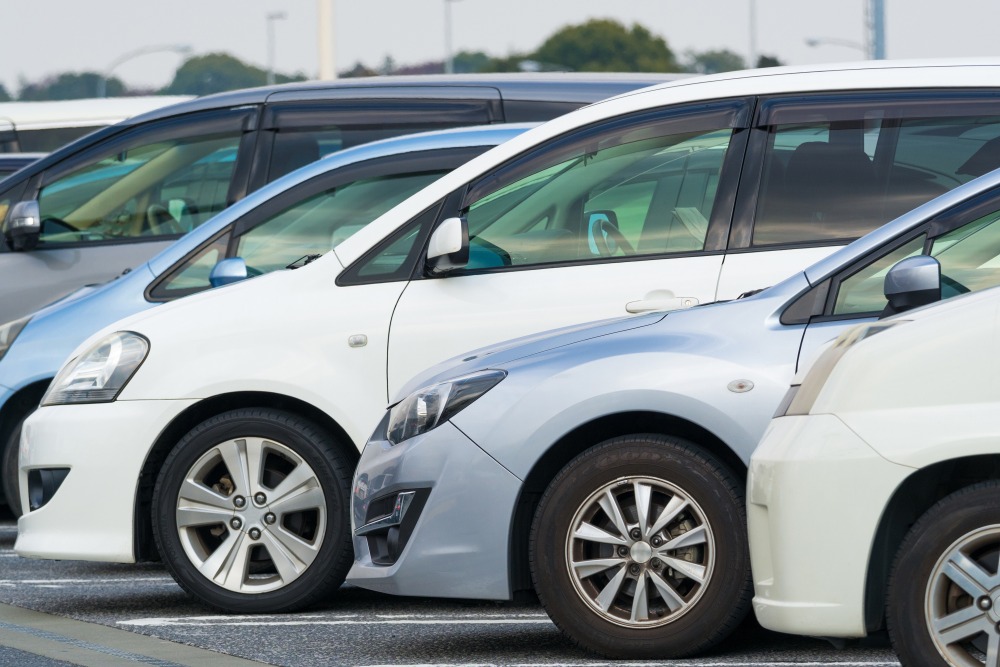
(448, 248)
(227, 271)
(23, 225)
(911, 283)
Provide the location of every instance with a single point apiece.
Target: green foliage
(769, 61)
(711, 62)
(4, 95)
(218, 72)
(466, 62)
(69, 86)
(604, 45)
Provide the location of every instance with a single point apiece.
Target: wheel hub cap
(641, 552)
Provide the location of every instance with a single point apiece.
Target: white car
(876, 495)
(220, 430)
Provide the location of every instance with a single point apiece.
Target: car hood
(493, 356)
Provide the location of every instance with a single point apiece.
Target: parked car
(603, 464)
(42, 127)
(11, 162)
(629, 205)
(112, 200)
(298, 217)
(882, 473)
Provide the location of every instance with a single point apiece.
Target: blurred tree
(69, 86)
(4, 95)
(711, 62)
(769, 61)
(217, 72)
(467, 62)
(358, 70)
(604, 45)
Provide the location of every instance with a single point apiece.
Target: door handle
(660, 300)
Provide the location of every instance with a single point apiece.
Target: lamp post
(324, 39)
(102, 82)
(271, 47)
(752, 61)
(449, 58)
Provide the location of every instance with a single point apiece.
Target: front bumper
(103, 446)
(816, 493)
(452, 540)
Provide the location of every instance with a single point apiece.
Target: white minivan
(219, 431)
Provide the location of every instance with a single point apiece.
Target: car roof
(569, 87)
(462, 137)
(83, 112)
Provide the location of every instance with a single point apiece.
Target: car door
(116, 205)
(624, 218)
(964, 240)
(301, 127)
(310, 219)
(824, 169)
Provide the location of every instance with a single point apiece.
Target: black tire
(958, 515)
(724, 598)
(11, 483)
(332, 469)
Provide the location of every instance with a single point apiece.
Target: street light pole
(753, 34)
(449, 58)
(324, 27)
(102, 82)
(271, 48)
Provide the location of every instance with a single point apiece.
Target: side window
(969, 257)
(837, 180)
(163, 188)
(313, 225)
(322, 222)
(862, 292)
(646, 197)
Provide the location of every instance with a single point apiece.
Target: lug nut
(269, 518)
(254, 533)
(634, 568)
(259, 498)
(656, 541)
(985, 603)
(635, 533)
(239, 502)
(236, 524)
(623, 551)
(656, 563)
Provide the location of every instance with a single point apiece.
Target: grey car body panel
(473, 541)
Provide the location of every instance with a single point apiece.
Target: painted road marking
(86, 582)
(674, 663)
(339, 619)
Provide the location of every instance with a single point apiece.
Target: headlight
(801, 397)
(431, 406)
(100, 373)
(9, 332)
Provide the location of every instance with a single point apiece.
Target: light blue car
(603, 465)
(286, 224)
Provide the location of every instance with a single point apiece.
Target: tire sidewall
(183, 457)
(723, 510)
(11, 474)
(930, 537)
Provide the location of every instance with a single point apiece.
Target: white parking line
(91, 581)
(342, 619)
(677, 663)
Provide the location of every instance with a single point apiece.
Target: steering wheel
(159, 222)
(603, 227)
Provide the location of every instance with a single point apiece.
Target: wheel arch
(574, 443)
(144, 544)
(27, 397)
(911, 499)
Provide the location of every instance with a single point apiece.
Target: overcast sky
(49, 36)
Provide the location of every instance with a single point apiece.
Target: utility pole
(877, 10)
(752, 61)
(272, 56)
(324, 26)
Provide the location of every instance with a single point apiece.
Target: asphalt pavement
(105, 614)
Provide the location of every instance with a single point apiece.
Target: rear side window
(836, 180)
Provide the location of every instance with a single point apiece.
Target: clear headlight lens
(9, 332)
(431, 406)
(801, 397)
(100, 373)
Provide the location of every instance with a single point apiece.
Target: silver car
(604, 465)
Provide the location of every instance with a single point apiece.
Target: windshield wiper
(302, 261)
